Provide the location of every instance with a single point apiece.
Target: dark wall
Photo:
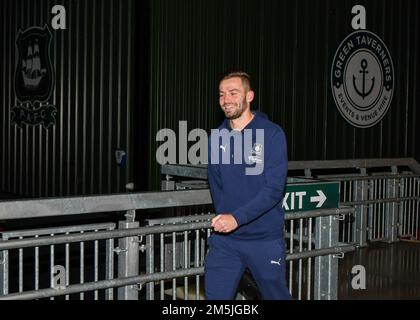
(288, 47)
(124, 69)
(95, 67)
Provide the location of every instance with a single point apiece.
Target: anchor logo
(362, 90)
(363, 93)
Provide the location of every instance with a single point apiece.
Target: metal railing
(385, 208)
(384, 192)
(312, 246)
(142, 271)
(57, 256)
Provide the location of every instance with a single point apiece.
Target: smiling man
(250, 219)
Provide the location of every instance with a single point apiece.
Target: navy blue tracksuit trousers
(228, 258)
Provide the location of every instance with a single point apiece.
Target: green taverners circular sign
(362, 79)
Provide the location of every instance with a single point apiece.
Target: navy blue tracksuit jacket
(255, 200)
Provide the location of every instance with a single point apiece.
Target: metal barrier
(385, 193)
(176, 250)
(314, 234)
(386, 208)
(312, 240)
(313, 249)
(12, 274)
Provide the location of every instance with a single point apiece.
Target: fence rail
(387, 207)
(385, 193)
(164, 259)
(174, 268)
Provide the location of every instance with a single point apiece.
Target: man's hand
(224, 223)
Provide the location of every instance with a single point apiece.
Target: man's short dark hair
(245, 77)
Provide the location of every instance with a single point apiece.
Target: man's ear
(250, 96)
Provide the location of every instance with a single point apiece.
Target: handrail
(147, 230)
(200, 171)
(158, 276)
(355, 163)
(23, 209)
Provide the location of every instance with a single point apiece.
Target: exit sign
(311, 196)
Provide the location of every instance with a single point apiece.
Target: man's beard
(238, 110)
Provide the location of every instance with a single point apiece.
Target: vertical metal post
(186, 263)
(67, 263)
(360, 193)
(36, 267)
(20, 268)
(128, 258)
(150, 263)
(309, 274)
(197, 263)
(82, 266)
(392, 211)
(174, 263)
(4, 272)
(162, 265)
(96, 266)
(403, 216)
(291, 250)
(326, 267)
(168, 184)
(109, 269)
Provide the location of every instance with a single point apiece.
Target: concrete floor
(392, 272)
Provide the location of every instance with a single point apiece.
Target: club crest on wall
(34, 78)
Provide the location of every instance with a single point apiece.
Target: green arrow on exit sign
(311, 196)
